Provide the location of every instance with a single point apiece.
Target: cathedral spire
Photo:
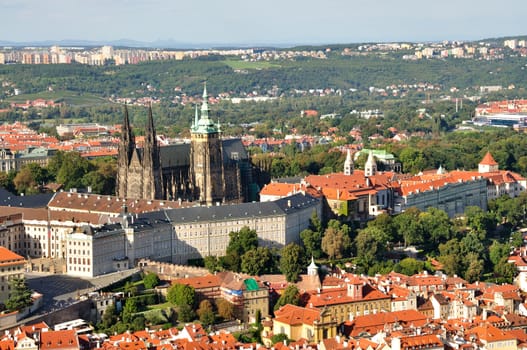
(196, 118)
(205, 104)
(150, 130)
(127, 136)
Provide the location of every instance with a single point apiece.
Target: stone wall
(168, 272)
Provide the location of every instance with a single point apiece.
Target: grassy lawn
(235, 64)
(160, 306)
(69, 97)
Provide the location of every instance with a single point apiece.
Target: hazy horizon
(280, 23)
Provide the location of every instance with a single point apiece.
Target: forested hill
(229, 74)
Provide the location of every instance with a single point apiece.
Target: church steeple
(348, 164)
(127, 136)
(206, 158)
(196, 118)
(151, 148)
(125, 154)
(370, 168)
(205, 104)
(205, 125)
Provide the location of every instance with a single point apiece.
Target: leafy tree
(138, 323)
(292, 261)
(408, 226)
(20, 295)
(185, 313)
(436, 226)
(109, 317)
(231, 262)
(6, 180)
(151, 280)
(451, 257)
(206, 313)
(129, 310)
(212, 263)
(242, 241)
(410, 266)
(315, 224)
(181, 294)
(280, 337)
(471, 244)
(98, 182)
(336, 240)
(225, 309)
(479, 221)
(257, 261)
(291, 295)
(130, 288)
(70, 168)
(368, 249)
(28, 179)
(505, 271)
(412, 160)
(385, 224)
(312, 242)
(204, 305)
(497, 251)
(474, 267)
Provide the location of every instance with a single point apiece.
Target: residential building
(11, 266)
(355, 298)
(493, 338)
(298, 322)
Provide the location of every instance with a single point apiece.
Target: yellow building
(493, 338)
(355, 299)
(298, 322)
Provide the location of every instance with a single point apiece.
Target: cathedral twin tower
(197, 174)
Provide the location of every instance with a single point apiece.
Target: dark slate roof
(231, 146)
(179, 154)
(138, 222)
(240, 211)
(289, 180)
(175, 155)
(32, 201)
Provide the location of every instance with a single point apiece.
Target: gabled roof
(489, 333)
(488, 160)
(374, 323)
(296, 315)
(7, 256)
(66, 339)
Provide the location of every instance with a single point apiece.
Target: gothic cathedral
(139, 170)
(210, 170)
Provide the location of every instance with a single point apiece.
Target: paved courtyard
(61, 290)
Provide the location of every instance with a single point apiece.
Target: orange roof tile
(66, 339)
(488, 160)
(7, 256)
(296, 315)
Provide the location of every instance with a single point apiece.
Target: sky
(252, 22)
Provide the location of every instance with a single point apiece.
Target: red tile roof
(7, 256)
(488, 160)
(296, 315)
(66, 339)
